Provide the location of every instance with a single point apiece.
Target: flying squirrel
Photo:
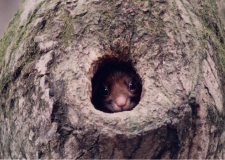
(116, 87)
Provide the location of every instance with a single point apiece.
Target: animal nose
(121, 100)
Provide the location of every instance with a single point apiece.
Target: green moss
(19, 38)
(221, 56)
(211, 19)
(12, 30)
(67, 31)
(9, 35)
(23, 28)
(32, 15)
(214, 119)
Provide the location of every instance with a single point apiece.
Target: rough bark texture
(47, 59)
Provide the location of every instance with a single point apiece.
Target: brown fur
(116, 79)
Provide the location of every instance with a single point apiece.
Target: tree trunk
(50, 53)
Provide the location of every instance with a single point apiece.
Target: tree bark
(49, 55)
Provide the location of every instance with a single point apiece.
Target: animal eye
(104, 91)
(132, 86)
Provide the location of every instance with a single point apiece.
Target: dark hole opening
(116, 86)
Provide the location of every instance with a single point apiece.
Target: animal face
(116, 89)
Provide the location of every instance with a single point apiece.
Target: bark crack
(138, 146)
(113, 151)
(82, 154)
(212, 71)
(210, 94)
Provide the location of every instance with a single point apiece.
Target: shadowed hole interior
(116, 86)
